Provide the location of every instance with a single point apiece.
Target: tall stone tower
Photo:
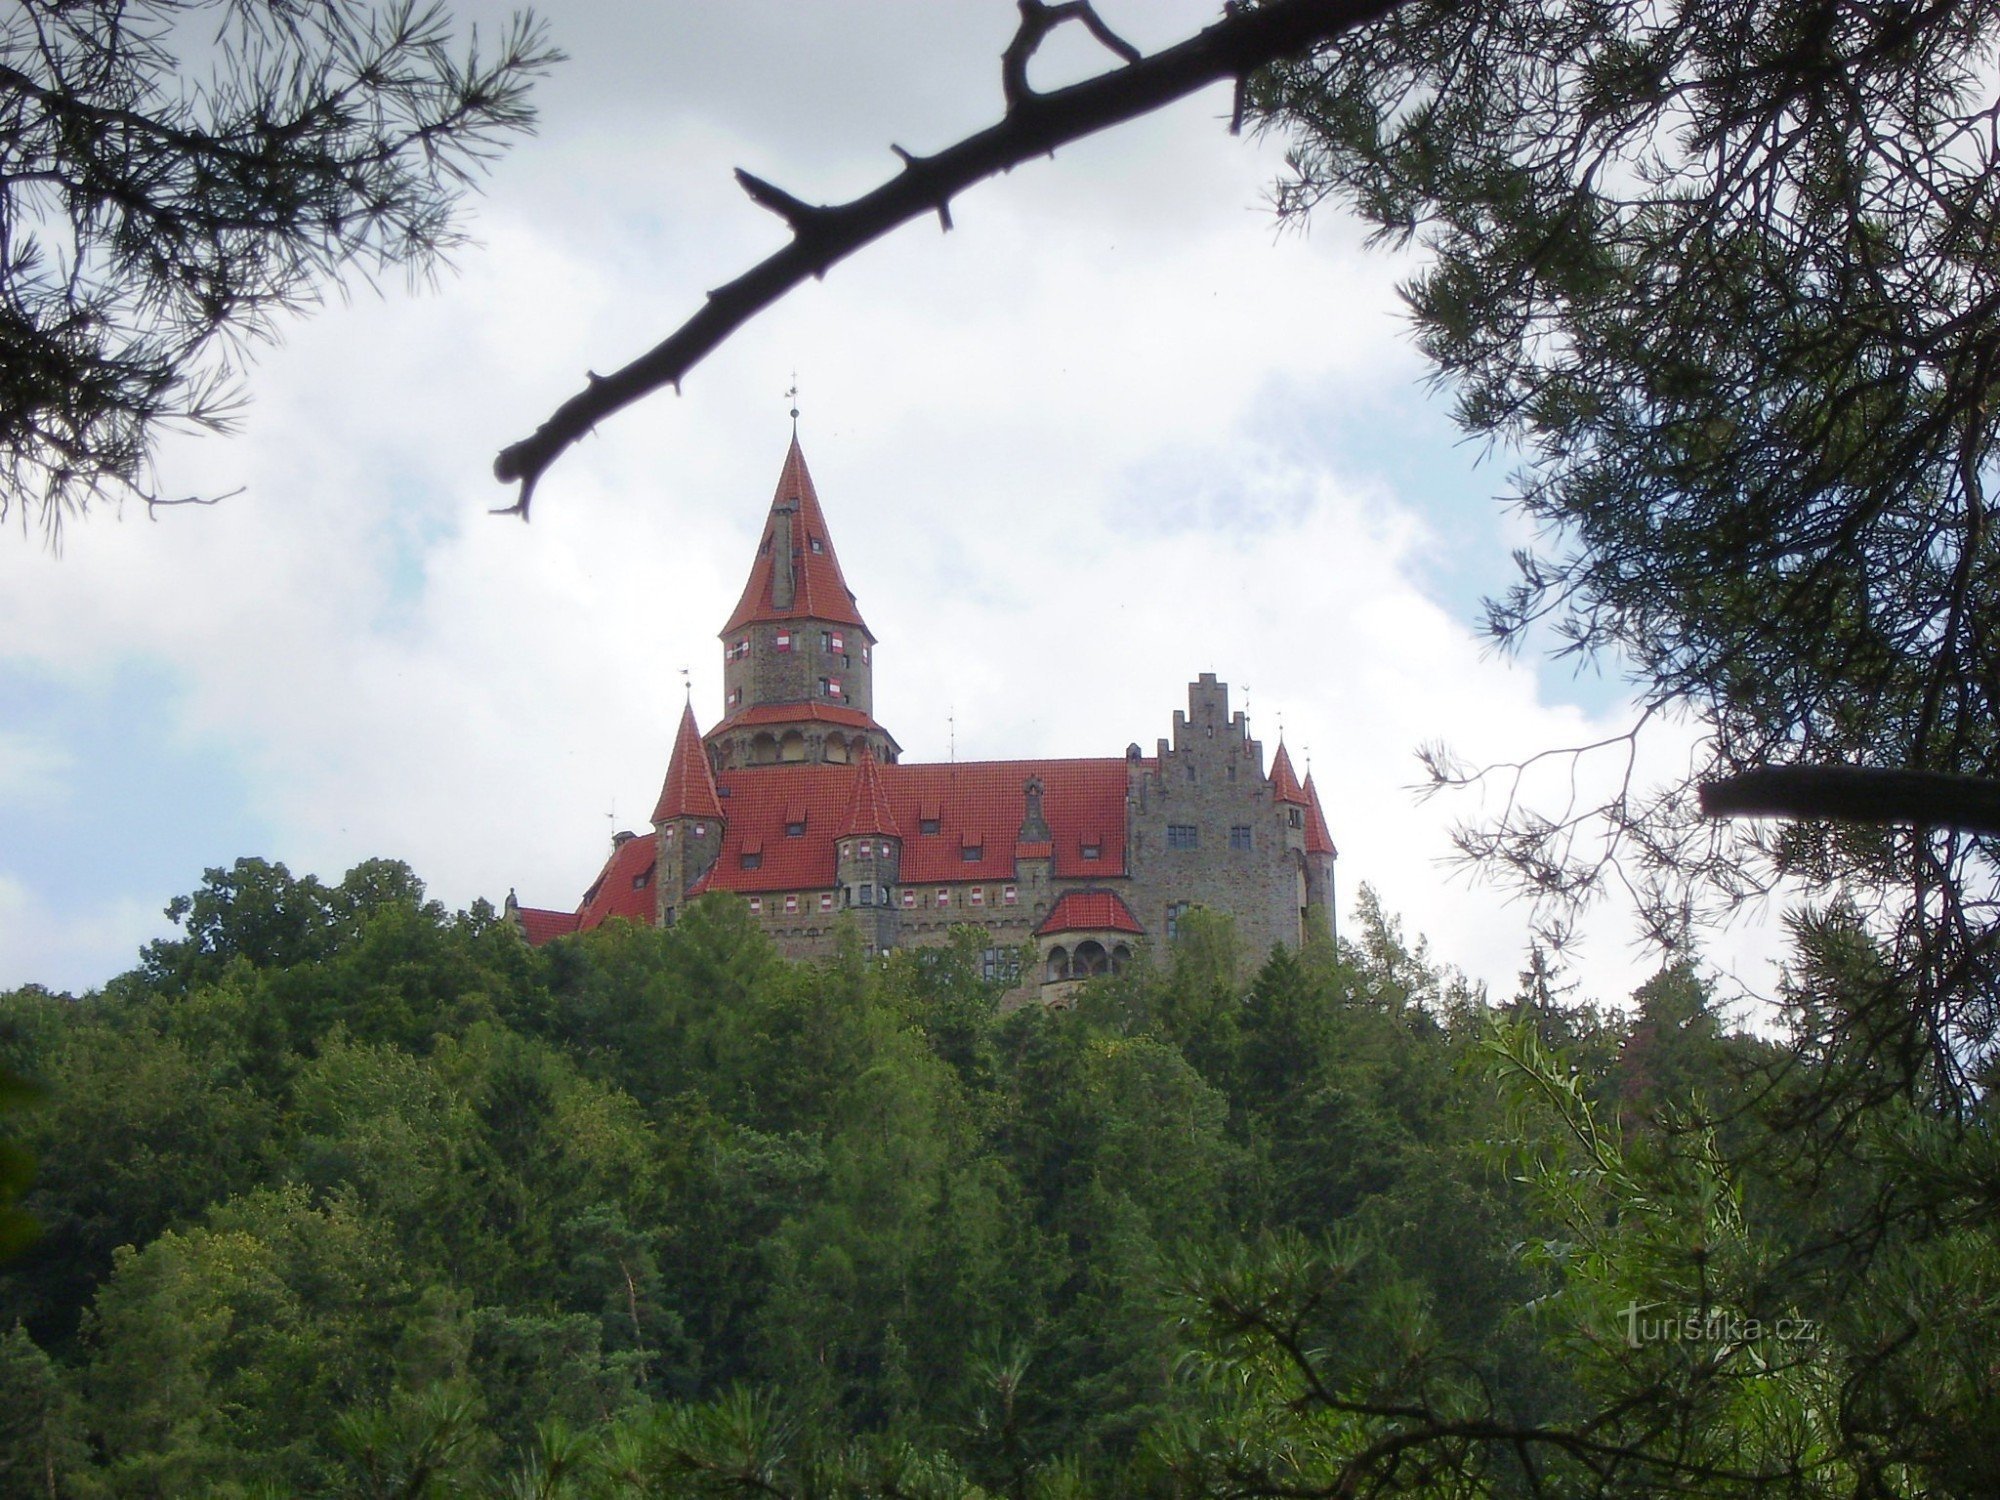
(798, 661)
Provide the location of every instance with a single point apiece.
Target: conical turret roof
(689, 791)
(816, 589)
(1284, 780)
(1319, 838)
(868, 809)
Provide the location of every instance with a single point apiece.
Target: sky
(1118, 428)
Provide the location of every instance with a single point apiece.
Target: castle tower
(798, 668)
(868, 856)
(687, 821)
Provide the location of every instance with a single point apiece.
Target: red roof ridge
(868, 809)
(689, 790)
(819, 592)
(1284, 780)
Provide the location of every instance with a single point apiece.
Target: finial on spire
(792, 396)
(687, 684)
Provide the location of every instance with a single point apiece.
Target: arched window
(1058, 965)
(792, 746)
(763, 750)
(1120, 956)
(1089, 958)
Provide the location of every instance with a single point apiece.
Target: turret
(868, 856)
(687, 822)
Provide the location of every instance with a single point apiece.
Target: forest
(339, 1193)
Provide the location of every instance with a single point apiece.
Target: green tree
(176, 174)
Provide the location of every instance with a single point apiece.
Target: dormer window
(818, 544)
(927, 825)
(1093, 851)
(796, 830)
(751, 861)
(643, 879)
(972, 854)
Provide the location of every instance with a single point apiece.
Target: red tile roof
(1090, 911)
(1284, 780)
(689, 790)
(868, 811)
(1319, 839)
(539, 925)
(977, 807)
(792, 713)
(819, 591)
(625, 886)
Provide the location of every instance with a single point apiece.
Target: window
(1239, 836)
(740, 650)
(826, 900)
(784, 640)
(1292, 816)
(837, 648)
(833, 687)
(1093, 851)
(1175, 911)
(864, 656)
(796, 830)
(909, 897)
(1183, 836)
(756, 906)
(1009, 895)
(977, 896)
(944, 895)
(927, 825)
(735, 696)
(867, 895)
(701, 830)
(1000, 965)
(751, 861)
(643, 879)
(818, 544)
(791, 904)
(826, 640)
(972, 854)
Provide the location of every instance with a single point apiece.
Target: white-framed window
(826, 900)
(756, 906)
(909, 898)
(977, 896)
(784, 640)
(791, 905)
(1010, 895)
(944, 895)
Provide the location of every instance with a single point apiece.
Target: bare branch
(1035, 125)
(1858, 794)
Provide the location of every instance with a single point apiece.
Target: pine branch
(1035, 124)
(1858, 794)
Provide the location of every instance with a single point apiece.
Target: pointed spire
(1284, 780)
(795, 574)
(1319, 838)
(689, 791)
(868, 809)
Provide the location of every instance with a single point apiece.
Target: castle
(799, 802)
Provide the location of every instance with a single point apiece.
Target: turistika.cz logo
(1714, 1326)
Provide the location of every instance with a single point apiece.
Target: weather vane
(792, 396)
(687, 683)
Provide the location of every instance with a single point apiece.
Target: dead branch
(1858, 794)
(1035, 124)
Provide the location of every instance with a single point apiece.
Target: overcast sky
(1115, 430)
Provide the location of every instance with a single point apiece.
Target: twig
(1035, 125)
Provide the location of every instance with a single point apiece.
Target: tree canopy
(177, 174)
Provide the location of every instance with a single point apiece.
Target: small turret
(687, 821)
(868, 856)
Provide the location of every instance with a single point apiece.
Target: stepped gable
(868, 811)
(1319, 838)
(817, 590)
(689, 790)
(625, 886)
(1284, 780)
(1090, 911)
